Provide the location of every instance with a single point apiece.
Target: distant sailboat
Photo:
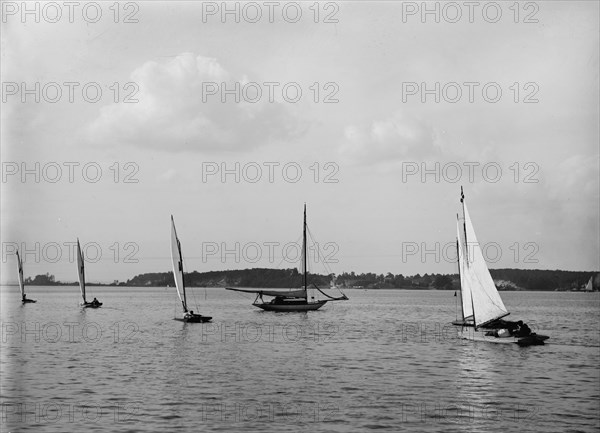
(481, 305)
(177, 258)
(589, 287)
(24, 299)
(81, 273)
(291, 300)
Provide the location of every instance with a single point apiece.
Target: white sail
(588, 288)
(487, 304)
(21, 282)
(81, 271)
(465, 288)
(177, 260)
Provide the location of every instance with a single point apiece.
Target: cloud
(171, 114)
(396, 137)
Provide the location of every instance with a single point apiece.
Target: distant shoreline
(508, 280)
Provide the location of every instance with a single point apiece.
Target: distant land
(505, 279)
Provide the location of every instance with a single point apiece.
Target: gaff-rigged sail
(20, 274)
(81, 271)
(487, 304)
(177, 260)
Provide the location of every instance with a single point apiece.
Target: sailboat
(481, 305)
(292, 300)
(589, 287)
(24, 299)
(81, 271)
(177, 258)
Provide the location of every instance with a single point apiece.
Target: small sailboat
(81, 272)
(481, 305)
(24, 299)
(292, 300)
(589, 287)
(177, 258)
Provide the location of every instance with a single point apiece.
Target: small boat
(177, 258)
(589, 287)
(481, 305)
(81, 272)
(24, 299)
(291, 300)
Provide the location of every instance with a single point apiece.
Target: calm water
(383, 360)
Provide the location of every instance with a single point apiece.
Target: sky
(231, 117)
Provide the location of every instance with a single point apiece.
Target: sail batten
(177, 260)
(485, 303)
(81, 271)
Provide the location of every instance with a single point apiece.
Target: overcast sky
(520, 97)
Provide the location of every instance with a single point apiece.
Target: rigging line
(320, 252)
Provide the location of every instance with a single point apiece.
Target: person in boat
(277, 300)
(523, 330)
(95, 302)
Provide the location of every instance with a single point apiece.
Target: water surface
(385, 360)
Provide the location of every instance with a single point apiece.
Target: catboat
(482, 308)
(177, 259)
(24, 299)
(81, 273)
(295, 300)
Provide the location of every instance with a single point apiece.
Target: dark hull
(91, 305)
(291, 306)
(28, 301)
(468, 332)
(196, 318)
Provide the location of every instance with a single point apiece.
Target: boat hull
(470, 333)
(291, 306)
(91, 305)
(196, 318)
(28, 301)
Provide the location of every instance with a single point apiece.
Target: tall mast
(462, 201)
(304, 251)
(182, 275)
(81, 265)
(458, 263)
(179, 264)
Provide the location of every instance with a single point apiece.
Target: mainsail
(21, 282)
(588, 288)
(487, 305)
(177, 259)
(81, 271)
(465, 289)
